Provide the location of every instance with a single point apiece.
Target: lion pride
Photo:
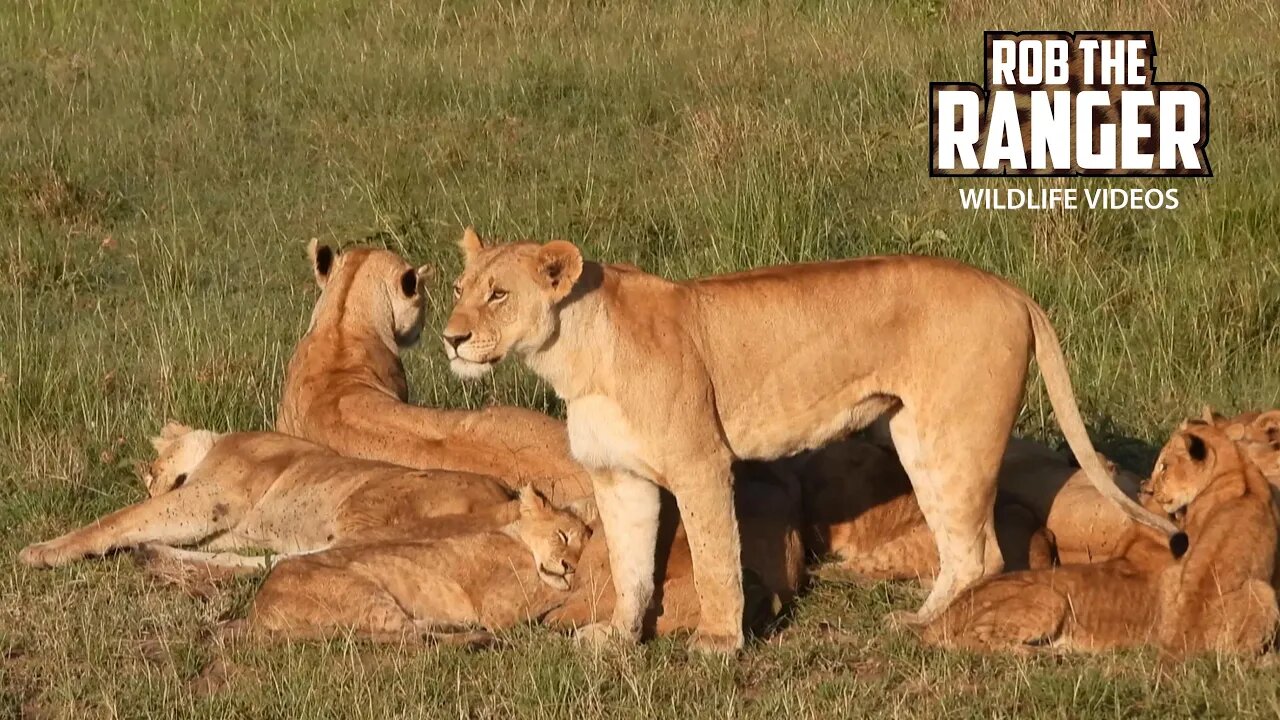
(668, 383)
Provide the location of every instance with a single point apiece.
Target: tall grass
(162, 165)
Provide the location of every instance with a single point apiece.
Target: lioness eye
(497, 295)
(563, 537)
(457, 291)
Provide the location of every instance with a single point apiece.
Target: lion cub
(1216, 597)
(345, 387)
(273, 492)
(860, 507)
(407, 590)
(1258, 435)
(1219, 598)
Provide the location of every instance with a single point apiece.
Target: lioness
(274, 492)
(668, 382)
(1219, 598)
(408, 590)
(345, 387)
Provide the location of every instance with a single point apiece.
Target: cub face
(1258, 435)
(1187, 464)
(365, 280)
(555, 536)
(505, 301)
(179, 451)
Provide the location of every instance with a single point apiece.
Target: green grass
(162, 166)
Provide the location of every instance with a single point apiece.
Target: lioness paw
(43, 555)
(600, 635)
(716, 644)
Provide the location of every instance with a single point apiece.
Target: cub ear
(559, 266)
(584, 509)
(411, 280)
(173, 430)
(471, 244)
(531, 500)
(322, 257)
(1196, 447)
(1208, 415)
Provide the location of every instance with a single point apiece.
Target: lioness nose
(456, 340)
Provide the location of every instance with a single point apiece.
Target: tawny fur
(1258, 435)
(1093, 607)
(1219, 598)
(773, 554)
(490, 580)
(346, 389)
(667, 383)
(274, 492)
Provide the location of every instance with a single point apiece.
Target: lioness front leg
(629, 506)
(181, 517)
(704, 491)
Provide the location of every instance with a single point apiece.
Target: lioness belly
(760, 433)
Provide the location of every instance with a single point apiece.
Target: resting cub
(345, 387)
(860, 507)
(273, 492)
(407, 590)
(1258, 435)
(1219, 598)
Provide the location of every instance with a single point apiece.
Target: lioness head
(179, 449)
(1192, 459)
(555, 536)
(377, 286)
(505, 300)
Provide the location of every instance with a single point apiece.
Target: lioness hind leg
(704, 493)
(956, 492)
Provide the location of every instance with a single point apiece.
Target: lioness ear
(322, 257)
(471, 244)
(1208, 415)
(560, 266)
(531, 500)
(584, 509)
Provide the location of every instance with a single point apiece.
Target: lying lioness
(667, 383)
(1219, 598)
(410, 590)
(345, 387)
(274, 492)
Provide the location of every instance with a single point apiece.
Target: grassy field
(162, 166)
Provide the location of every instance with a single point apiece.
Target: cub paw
(717, 644)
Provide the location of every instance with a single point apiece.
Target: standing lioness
(668, 382)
